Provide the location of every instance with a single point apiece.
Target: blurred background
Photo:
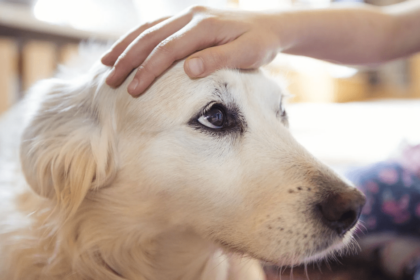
(347, 116)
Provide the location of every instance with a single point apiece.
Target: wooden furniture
(8, 73)
(30, 49)
(415, 76)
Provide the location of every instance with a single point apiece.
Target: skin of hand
(219, 38)
(213, 39)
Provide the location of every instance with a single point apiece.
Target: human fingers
(111, 56)
(138, 50)
(184, 42)
(243, 53)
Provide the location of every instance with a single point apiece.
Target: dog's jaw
(179, 253)
(184, 255)
(200, 259)
(155, 248)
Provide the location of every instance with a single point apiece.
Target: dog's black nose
(341, 211)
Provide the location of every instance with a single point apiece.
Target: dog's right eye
(213, 118)
(219, 120)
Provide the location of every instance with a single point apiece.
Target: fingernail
(196, 66)
(132, 87)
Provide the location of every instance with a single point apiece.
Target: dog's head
(213, 154)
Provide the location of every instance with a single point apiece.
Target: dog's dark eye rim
(282, 114)
(205, 118)
(282, 111)
(233, 121)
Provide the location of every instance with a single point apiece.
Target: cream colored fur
(123, 188)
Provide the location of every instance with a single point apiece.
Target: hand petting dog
(213, 39)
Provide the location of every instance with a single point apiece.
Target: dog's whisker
(306, 271)
(279, 272)
(291, 273)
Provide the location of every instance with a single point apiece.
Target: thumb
(207, 61)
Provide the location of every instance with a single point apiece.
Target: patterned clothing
(392, 198)
(391, 216)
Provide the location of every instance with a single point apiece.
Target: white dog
(195, 179)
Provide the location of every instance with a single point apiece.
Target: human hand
(213, 39)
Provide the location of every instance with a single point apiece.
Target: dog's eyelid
(282, 113)
(210, 105)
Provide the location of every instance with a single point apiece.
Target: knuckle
(150, 24)
(164, 48)
(121, 61)
(147, 70)
(197, 9)
(124, 62)
(147, 35)
(165, 44)
(146, 25)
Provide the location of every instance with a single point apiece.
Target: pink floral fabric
(410, 159)
(392, 196)
(392, 210)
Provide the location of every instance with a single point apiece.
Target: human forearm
(406, 37)
(361, 34)
(351, 35)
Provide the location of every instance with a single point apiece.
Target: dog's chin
(324, 254)
(334, 247)
(281, 261)
(298, 260)
(237, 250)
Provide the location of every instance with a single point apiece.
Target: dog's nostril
(348, 217)
(340, 212)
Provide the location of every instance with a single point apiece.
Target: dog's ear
(66, 150)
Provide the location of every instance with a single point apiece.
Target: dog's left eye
(283, 113)
(213, 118)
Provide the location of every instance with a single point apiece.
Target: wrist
(283, 26)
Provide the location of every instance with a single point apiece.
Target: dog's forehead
(252, 86)
(227, 83)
